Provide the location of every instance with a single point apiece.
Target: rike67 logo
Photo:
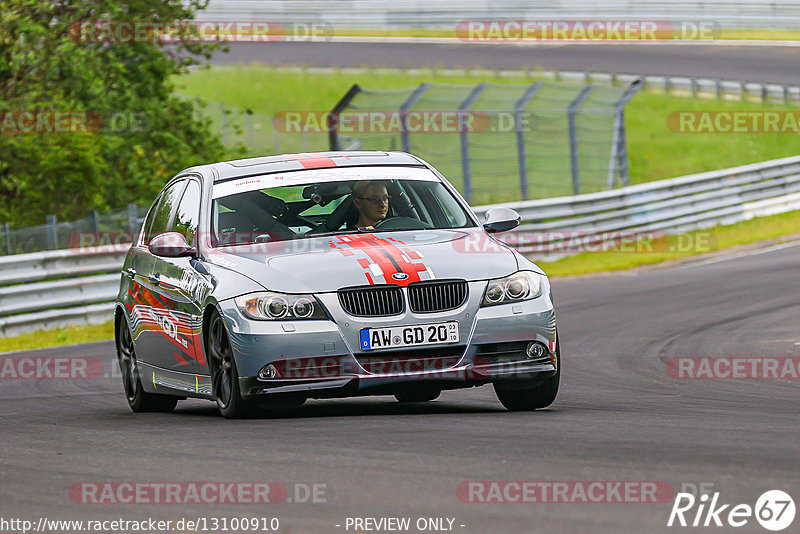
(774, 510)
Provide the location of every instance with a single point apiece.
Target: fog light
(267, 372)
(535, 350)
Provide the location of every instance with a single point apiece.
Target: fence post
(622, 150)
(133, 220)
(785, 95)
(412, 99)
(93, 225)
(573, 137)
(521, 152)
(52, 232)
(719, 89)
(7, 232)
(619, 144)
(667, 84)
(333, 117)
(462, 132)
(764, 93)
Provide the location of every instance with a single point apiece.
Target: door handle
(155, 279)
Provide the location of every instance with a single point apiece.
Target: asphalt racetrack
(777, 64)
(619, 417)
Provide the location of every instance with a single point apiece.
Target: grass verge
(68, 335)
(672, 248)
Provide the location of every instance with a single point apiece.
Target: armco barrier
(54, 288)
(669, 206)
(45, 290)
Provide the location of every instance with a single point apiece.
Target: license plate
(409, 336)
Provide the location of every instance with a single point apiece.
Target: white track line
(755, 252)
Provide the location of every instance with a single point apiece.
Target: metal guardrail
(49, 289)
(394, 14)
(45, 290)
(666, 206)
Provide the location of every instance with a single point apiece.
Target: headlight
(267, 306)
(522, 285)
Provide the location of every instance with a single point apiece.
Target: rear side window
(169, 200)
(188, 214)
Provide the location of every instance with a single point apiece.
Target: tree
(122, 132)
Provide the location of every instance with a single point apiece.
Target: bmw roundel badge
(399, 276)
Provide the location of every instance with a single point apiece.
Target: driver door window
(169, 200)
(188, 214)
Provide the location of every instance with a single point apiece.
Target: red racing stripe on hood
(384, 255)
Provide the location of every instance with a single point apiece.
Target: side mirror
(171, 245)
(500, 220)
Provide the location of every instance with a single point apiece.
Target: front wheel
(224, 376)
(520, 398)
(138, 399)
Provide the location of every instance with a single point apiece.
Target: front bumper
(317, 358)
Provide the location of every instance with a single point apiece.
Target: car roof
(238, 168)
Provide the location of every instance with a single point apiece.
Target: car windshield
(317, 202)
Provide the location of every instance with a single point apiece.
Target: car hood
(323, 264)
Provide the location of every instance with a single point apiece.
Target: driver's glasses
(377, 200)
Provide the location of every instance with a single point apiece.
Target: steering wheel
(402, 223)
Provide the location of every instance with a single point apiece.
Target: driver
(371, 199)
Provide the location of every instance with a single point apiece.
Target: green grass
(57, 337)
(672, 248)
(654, 151)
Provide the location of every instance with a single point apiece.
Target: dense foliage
(123, 133)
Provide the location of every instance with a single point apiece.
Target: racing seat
(345, 213)
(233, 227)
(261, 211)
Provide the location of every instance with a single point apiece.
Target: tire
(420, 395)
(224, 376)
(521, 398)
(138, 399)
